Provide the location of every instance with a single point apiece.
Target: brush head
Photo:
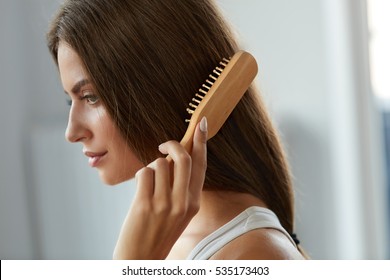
(219, 95)
(206, 87)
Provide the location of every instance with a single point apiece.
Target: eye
(91, 98)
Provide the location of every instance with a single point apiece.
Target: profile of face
(90, 124)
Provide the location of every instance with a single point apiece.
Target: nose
(76, 131)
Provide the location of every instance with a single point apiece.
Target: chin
(111, 180)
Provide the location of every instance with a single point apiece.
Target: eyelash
(86, 97)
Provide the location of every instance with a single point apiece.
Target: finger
(162, 186)
(145, 183)
(199, 157)
(181, 167)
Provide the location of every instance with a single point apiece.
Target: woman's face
(90, 124)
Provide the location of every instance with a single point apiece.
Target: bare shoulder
(259, 244)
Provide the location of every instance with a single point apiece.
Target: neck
(216, 209)
(219, 207)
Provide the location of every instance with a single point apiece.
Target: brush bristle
(204, 89)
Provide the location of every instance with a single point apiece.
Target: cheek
(118, 144)
(122, 164)
(123, 161)
(108, 131)
(105, 129)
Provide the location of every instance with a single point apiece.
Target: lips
(95, 158)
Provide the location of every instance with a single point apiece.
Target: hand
(167, 198)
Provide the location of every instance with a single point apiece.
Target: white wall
(313, 79)
(15, 227)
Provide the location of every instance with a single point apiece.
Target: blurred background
(324, 67)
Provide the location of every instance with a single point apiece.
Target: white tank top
(252, 218)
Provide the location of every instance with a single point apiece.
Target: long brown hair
(146, 59)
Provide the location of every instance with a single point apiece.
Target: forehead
(70, 66)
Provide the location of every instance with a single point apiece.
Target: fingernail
(161, 148)
(203, 124)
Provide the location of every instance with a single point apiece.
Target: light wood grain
(223, 96)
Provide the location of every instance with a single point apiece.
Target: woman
(130, 69)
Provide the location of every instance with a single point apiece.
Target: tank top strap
(254, 217)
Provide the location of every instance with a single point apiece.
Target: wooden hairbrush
(219, 95)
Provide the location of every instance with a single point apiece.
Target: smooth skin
(170, 212)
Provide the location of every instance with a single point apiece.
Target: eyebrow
(76, 88)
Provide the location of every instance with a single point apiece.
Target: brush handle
(187, 140)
